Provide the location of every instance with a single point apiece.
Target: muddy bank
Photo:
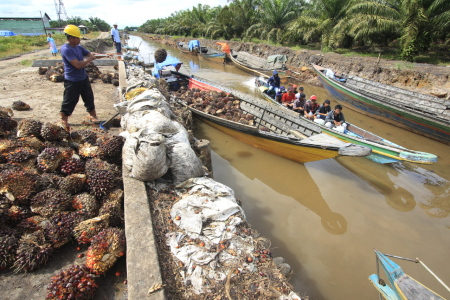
(423, 78)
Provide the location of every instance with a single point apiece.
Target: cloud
(124, 12)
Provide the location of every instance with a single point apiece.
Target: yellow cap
(73, 31)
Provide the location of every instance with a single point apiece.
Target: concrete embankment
(423, 78)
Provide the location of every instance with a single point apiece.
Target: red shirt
(288, 97)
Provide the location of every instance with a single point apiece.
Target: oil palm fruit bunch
(86, 205)
(29, 127)
(8, 246)
(111, 149)
(72, 166)
(83, 136)
(17, 185)
(47, 181)
(5, 204)
(59, 231)
(87, 150)
(16, 214)
(86, 230)
(49, 202)
(30, 142)
(98, 164)
(74, 283)
(32, 224)
(33, 252)
(42, 70)
(53, 132)
(112, 205)
(20, 105)
(73, 184)
(100, 182)
(21, 154)
(49, 159)
(7, 124)
(105, 249)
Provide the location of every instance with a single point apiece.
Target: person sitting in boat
(310, 107)
(274, 83)
(322, 111)
(299, 103)
(335, 119)
(163, 61)
(288, 98)
(280, 94)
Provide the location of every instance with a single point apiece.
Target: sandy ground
(24, 83)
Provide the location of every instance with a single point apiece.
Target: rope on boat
(431, 272)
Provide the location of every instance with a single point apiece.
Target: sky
(124, 12)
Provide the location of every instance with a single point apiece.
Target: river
(325, 217)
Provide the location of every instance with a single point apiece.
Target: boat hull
(281, 74)
(389, 114)
(380, 154)
(215, 57)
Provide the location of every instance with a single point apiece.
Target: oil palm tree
(317, 22)
(273, 18)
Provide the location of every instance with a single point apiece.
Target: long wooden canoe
(422, 114)
(383, 151)
(283, 134)
(184, 49)
(400, 286)
(212, 55)
(254, 70)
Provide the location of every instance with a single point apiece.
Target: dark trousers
(118, 47)
(73, 91)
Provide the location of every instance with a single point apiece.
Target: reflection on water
(326, 217)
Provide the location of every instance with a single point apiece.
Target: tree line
(93, 23)
(411, 26)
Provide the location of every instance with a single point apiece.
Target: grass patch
(20, 44)
(403, 65)
(26, 63)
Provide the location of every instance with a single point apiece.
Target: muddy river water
(325, 217)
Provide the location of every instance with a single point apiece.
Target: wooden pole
(203, 150)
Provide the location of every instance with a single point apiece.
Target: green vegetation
(15, 45)
(93, 23)
(408, 30)
(26, 62)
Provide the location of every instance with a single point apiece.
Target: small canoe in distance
(274, 131)
(184, 48)
(212, 55)
(423, 114)
(383, 151)
(400, 286)
(256, 65)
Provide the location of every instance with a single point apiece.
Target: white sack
(154, 122)
(149, 161)
(185, 163)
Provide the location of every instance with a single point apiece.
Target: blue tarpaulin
(6, 33)
(193, 44)
(170, 61)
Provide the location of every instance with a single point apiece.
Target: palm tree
(317, 22)
(75, 21)
(273, 18)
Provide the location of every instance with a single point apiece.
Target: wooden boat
(400, 286)
(256, 70)
(276, 132)
(383, 151)
(184, 48)
(422, 114)
(212, 55)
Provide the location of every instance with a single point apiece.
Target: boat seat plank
(413, 290)
(324, 139)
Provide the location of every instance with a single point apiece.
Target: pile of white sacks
(155, 142)
(207, 210)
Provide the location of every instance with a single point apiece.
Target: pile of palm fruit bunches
(57, 186)
(56, 74)
(221, 104)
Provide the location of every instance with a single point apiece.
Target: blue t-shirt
(68, 54)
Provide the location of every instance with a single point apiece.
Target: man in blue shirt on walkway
(76, 81)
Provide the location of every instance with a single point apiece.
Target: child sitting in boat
(310, 107)
(322, 111)
(299, 103)
(288, 98)
(335, 119)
